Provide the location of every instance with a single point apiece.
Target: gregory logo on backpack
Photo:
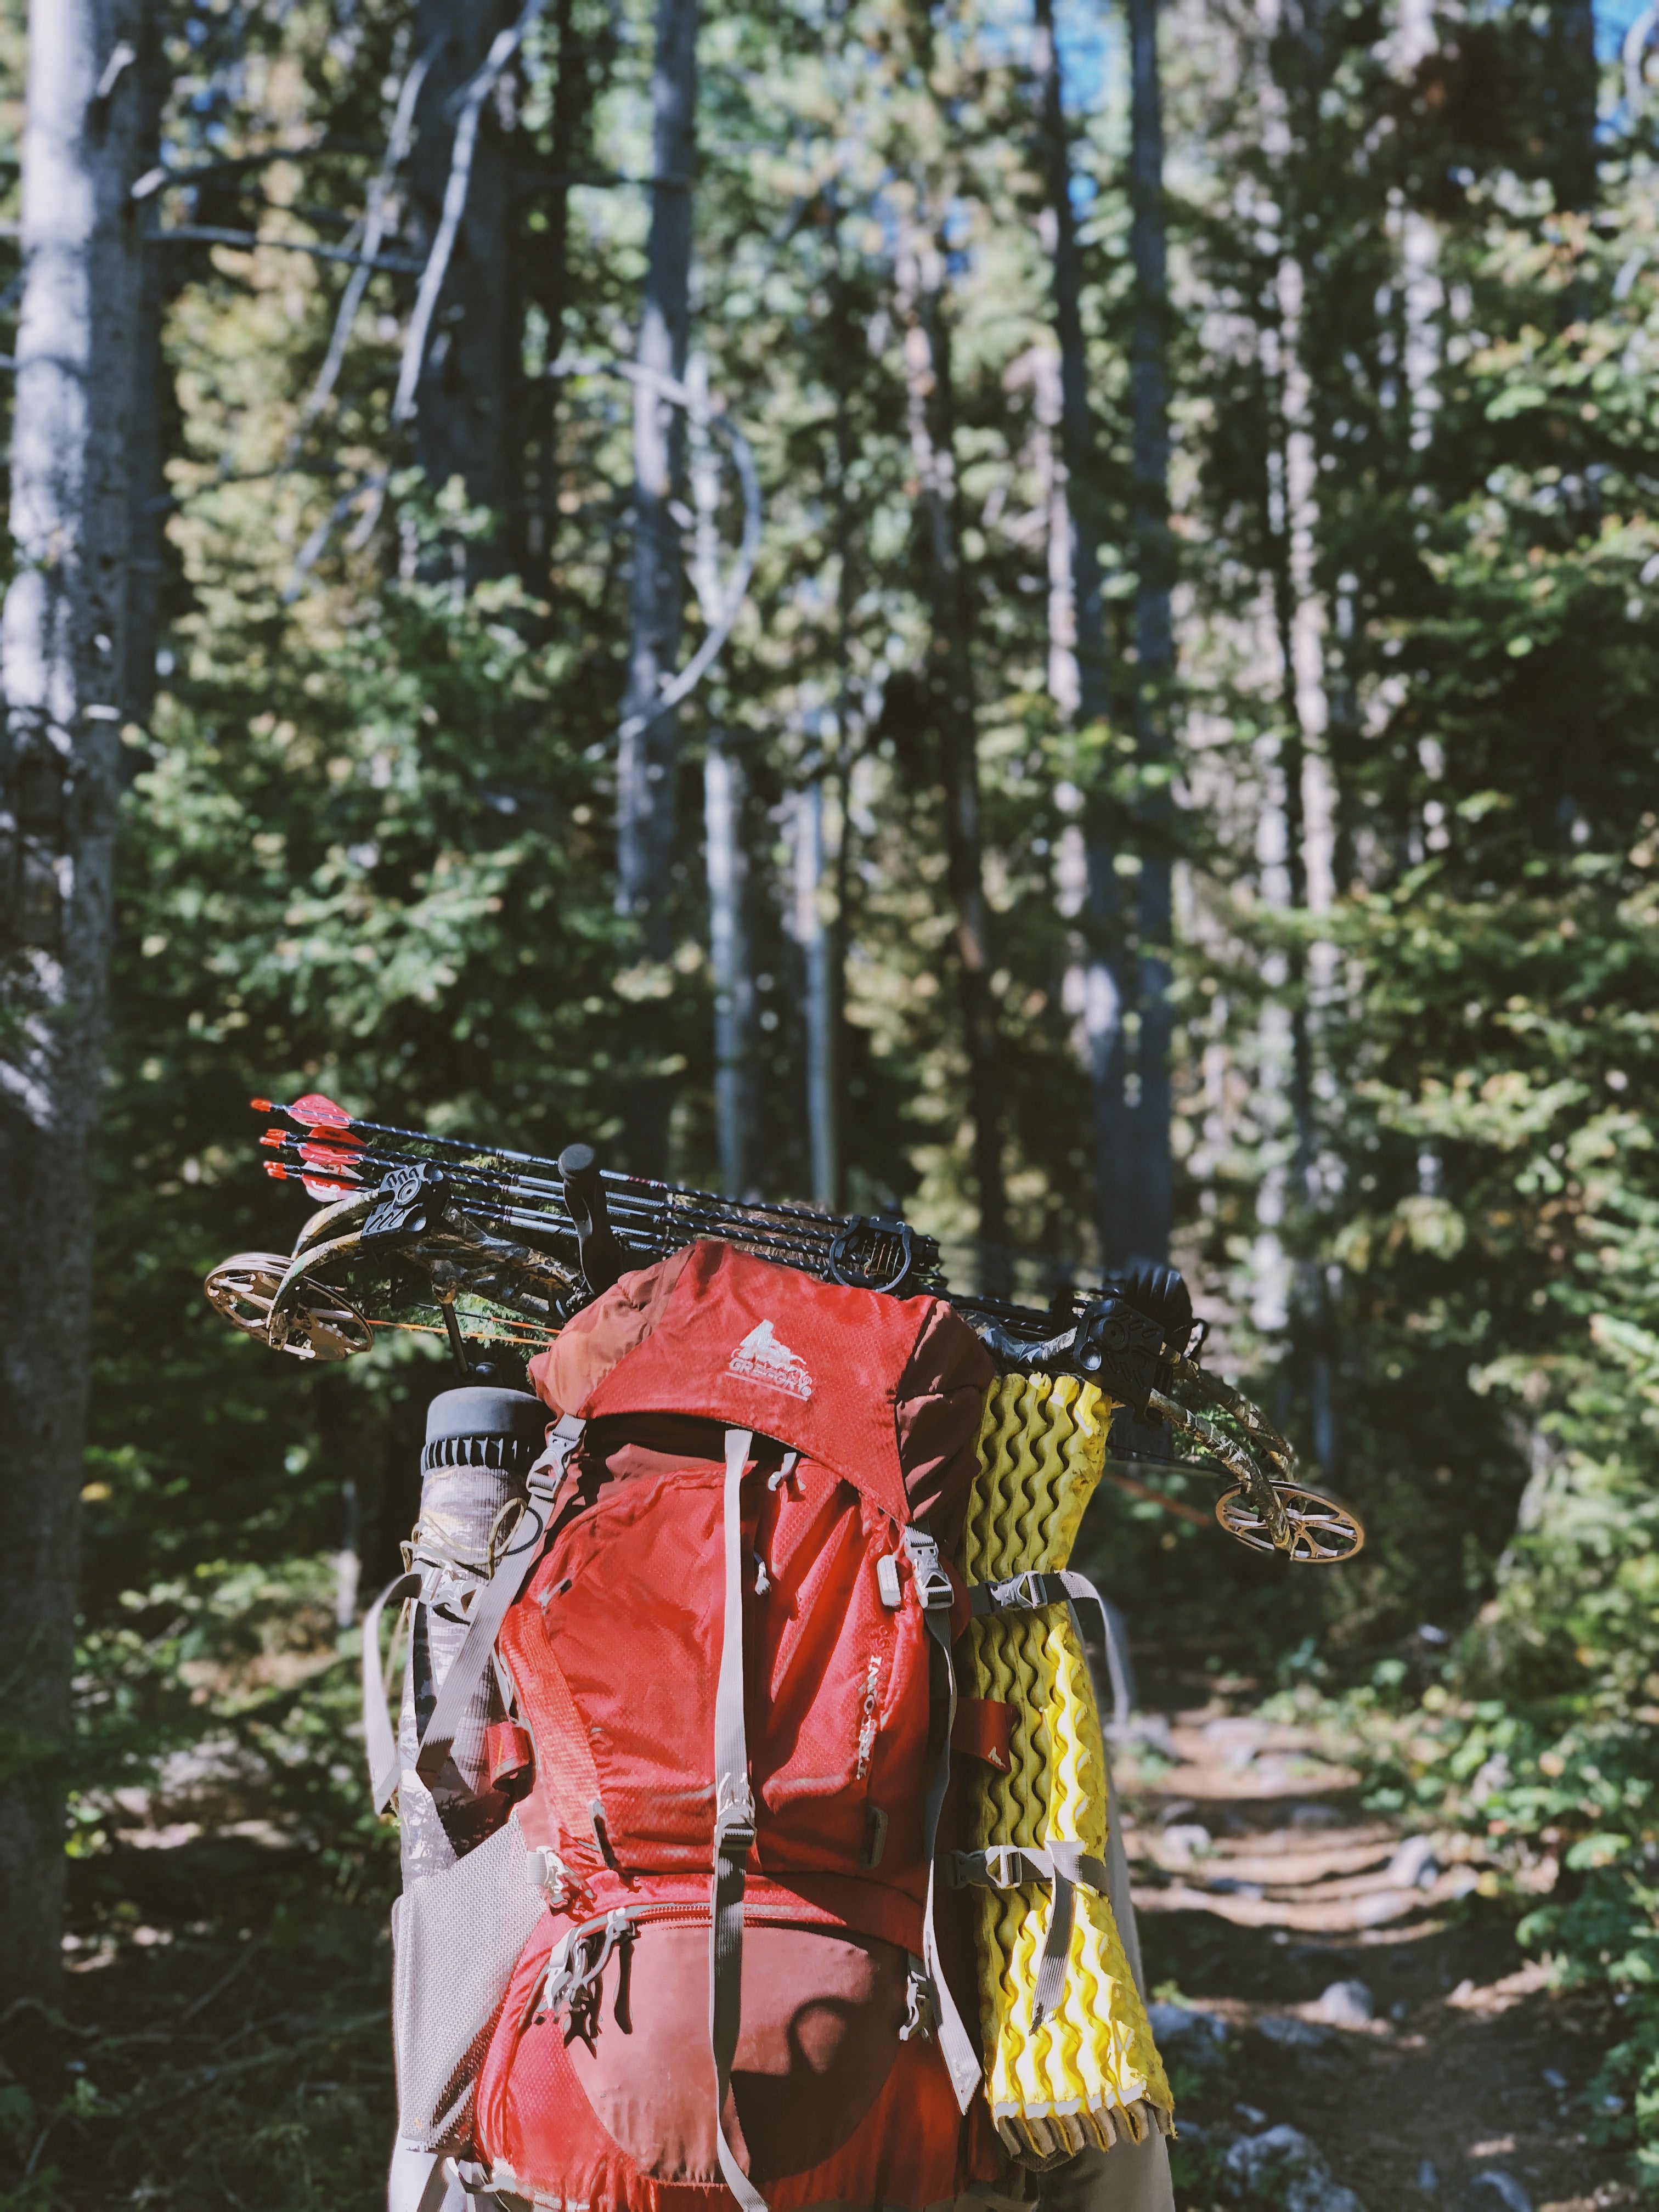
(762, 1358)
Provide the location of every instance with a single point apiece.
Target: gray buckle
(735, 1817)
(1026, 1592)
(933, 1590)
(999, 1866)
(549, 1470)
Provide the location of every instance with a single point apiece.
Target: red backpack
(726, 1625)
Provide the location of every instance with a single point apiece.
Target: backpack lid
(814, 1365)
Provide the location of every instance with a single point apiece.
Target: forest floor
(1319, 1972)
(1313, 1970)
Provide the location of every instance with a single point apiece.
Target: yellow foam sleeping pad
(1089, 2074)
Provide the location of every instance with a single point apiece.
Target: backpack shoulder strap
(734, 1827)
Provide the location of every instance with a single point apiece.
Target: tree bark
(62, 669)
(1144, 1230)
(647, 762)
(950, 700)
(1078, 529)
(467, 401)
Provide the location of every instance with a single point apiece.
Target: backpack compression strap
(378, 1739)
(1065, 1866)
(934, 1594)
(734, 1827)
(490, 1608)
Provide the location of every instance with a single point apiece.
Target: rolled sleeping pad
(481, 1444)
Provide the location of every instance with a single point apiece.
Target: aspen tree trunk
(827, 1004)
(813, 934)
(727, 865)
(1144, 1230)
(152, 410)
(467, 401)
(647, 762)
(1078, 441)
(61, 664)
(725, 858)
(1078, 526)
(950, 700)
(1310, 747)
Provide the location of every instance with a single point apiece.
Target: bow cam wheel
(1322, 1533)
(323, 1324)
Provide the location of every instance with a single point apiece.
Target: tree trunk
(571, 103)
(832, 1062)
(813, 932)
(61, 663)
(1571, 85)
(647, 761)
(153, 411)
(1077, 534)
(467, 398)
(1291, 491)
(1078, 441)
(724, 786)
(1144, 1230)
(950, 700)
(726, 855)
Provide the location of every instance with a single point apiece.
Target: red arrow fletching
(323, 1114)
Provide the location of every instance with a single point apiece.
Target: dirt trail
(1343, 1981)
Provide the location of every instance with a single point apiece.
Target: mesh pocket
(456, 1937)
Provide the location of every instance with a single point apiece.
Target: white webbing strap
(378, 1740)
(471, 1662)
(1066, 1866)
(734, 1827)
(1029, 1592)
(1015, 1866)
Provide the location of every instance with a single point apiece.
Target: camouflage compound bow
(499, 1248)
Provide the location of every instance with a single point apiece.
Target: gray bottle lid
(481, 1411)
